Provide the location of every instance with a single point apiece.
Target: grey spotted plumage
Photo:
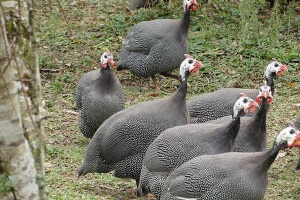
(156, 46)
(233, 175)
(121, 141)
(182, 143)
(136, 4)
(99, 95)
(211, 106)
(252, 136)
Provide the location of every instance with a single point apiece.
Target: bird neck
(182, 89)
(271, 154)
(226, 137)
(185, 23)
(261, 115)
(106, 79)
(270, 82)
(234, 128)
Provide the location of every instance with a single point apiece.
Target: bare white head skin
(190, 4)
(189, 64)
(264, 92)
(275, 67)
(107, 58)
(245, 104)
(290, 134)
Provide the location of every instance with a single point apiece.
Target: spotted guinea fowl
(157, 46)
(233, 175)
(136, 4)
(252, 135)
(122, 139)
(99, 95)
(205, 107)
(182, 143)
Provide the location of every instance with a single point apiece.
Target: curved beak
(193, 5)
(251, 107)
(281, 70)
(196, 68)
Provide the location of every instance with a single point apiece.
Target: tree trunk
(21, 111)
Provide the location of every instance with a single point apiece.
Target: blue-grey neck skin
(228, 137)
(106, 80)
(233, 128)
(182, 89)
(271, 154)
(261, 115)
(185, 24)
(270, 81)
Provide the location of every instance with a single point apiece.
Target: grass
(233, 43)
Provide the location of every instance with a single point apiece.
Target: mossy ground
(233, 41)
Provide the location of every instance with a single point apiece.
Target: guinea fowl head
(189, 65)
(244, 105)
(107, 60)
(275, 69)
(190, 5)
(264, 92)
(290, 136)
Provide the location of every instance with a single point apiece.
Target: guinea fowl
(157, 46)
(121, 141)
(136, 4)
(99, 95)
(233, 175)
(252, 134)
(182, 143)
(206, 107)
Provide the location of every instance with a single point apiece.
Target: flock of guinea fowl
(210, 147)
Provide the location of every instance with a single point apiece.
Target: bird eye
(276, 65)
(292, 131)
(190, 61)
(105, 56)
(245, 100)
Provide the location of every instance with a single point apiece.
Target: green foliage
(233, 41)
(57, 86)
(275, 23)
(249, 23)
(6, 184)
(48, 103)
(66, 78)
(87, 61)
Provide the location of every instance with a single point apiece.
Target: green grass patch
(233, 41)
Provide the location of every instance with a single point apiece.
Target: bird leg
(155, 85)
(167, 74)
